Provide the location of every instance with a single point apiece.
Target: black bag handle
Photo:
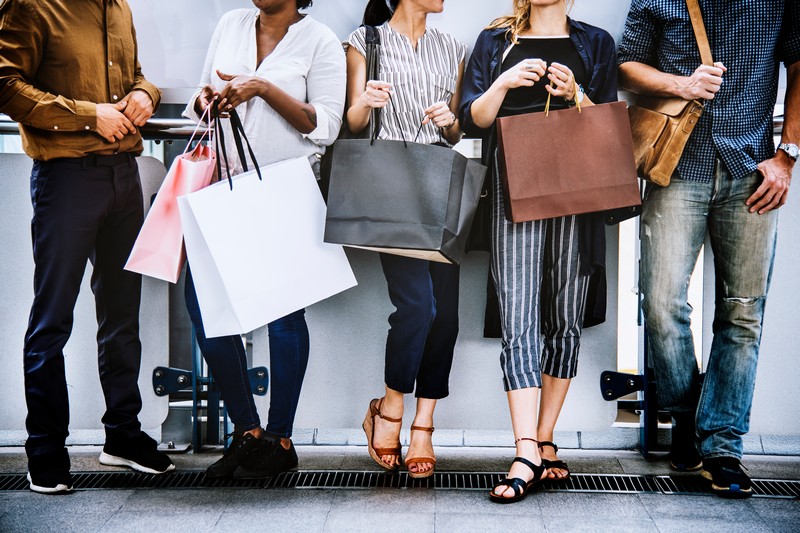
(238, 135)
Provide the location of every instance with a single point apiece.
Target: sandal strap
(416, 460)
(375, 409)
(527, 463)
(514, 483)
(422, 428)
(558, 463)
(388, 451)
(548, 443)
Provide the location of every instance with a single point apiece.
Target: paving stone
(565, 522)
(477, 501)
(574, 504)
(299, 500)
(710, 525)
(385, 500)
(483, 522)
(779, 514)
(700, 507)
(345, 521)
(271, 520)
(65, 521)
(167, 500)
(174, 521)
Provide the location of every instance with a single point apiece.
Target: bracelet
(578, 97)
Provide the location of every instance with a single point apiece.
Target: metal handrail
(156, 129)
(164, 129)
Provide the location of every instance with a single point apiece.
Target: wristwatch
(791, 150)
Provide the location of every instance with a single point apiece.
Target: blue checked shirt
(750, 37)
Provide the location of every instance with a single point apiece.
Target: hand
(238, 90)
(524, 74)
(112, 124)
(774, 189)
(440, 114)
(139, 107)
(376, 95)
(207, 95)
(563, 81)
(703, 84)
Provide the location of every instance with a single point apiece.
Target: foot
(139, 453)
(49, 473)
(386, 433)
(527, 449)
(420, 447)
(727, 477)
(556, 468)
(241, 450)
(270, 459)
(683, 454)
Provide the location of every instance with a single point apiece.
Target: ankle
(256, 432)
(286, 443)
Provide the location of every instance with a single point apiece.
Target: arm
(362, 96)
(524, 74)
(144, 97)
(326, 86)
(240, 89)
(444, 115)
(641, 78)
(777, 170)
(23, 38)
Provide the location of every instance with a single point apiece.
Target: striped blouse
(420, 78)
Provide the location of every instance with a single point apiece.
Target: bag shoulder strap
(700, 32)
(372, 39)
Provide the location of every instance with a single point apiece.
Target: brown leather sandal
(369, 429)
(418, 460)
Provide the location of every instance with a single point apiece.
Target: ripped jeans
(675, 222)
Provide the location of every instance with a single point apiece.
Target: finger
(224, 77)
(756, 200)
(721, 66)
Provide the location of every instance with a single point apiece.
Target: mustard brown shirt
(58, 59)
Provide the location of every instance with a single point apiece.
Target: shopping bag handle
(577, 102)
(205, 118)
(238, 134)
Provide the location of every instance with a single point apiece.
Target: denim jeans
(675, 222)
(226, 357)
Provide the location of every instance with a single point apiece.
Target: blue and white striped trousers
(542, 296)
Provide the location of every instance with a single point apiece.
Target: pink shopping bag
(158, 251)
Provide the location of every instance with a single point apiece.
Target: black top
(550, 50)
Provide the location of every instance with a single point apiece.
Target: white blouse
(308, 64)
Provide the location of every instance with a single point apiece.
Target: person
(728, 186)
(419, 91)
(71, 78)
(541, 269)
(284, 73)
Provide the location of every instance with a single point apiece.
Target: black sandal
(519, 485)
(558, 463)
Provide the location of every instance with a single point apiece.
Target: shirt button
(86, 127)
(115, 97)
(110, 63)
(55, 127)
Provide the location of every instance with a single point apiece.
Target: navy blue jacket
(597, 50)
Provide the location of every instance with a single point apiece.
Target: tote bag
(255, 246)
(158, 251)
(567, 162)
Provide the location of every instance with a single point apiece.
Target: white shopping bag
(256, 249)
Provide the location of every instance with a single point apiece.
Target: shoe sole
(678, 468)
(58, 489)
(264, 475)
(726, 492)
(113, 460)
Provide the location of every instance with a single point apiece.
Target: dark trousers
(85, 208)
(227, 359)
(424, 327)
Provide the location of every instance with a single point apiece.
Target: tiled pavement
(408, 510)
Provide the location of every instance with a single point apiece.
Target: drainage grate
(602, 483)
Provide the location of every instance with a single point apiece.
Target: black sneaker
(683, 454)
(268, 460)
(727, 477)
(140, 453)
(238, 453)
(49, 473)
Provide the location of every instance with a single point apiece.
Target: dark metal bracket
(168, 380)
